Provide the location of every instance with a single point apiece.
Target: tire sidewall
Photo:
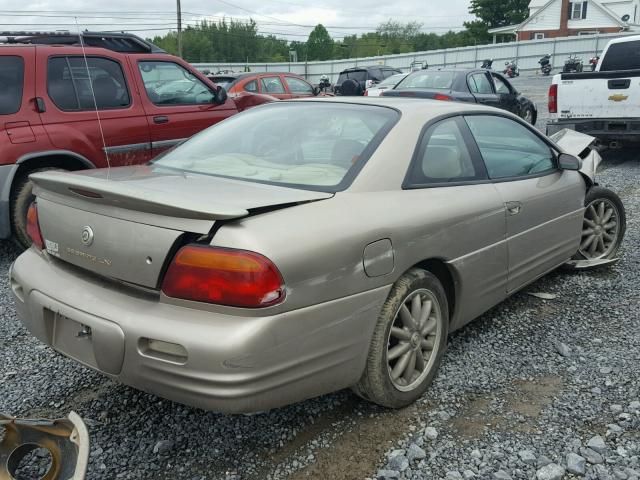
(377, 368)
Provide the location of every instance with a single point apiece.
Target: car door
(89, 104)
(507, 95)
(459, 214)
(177, 103)
(272, 85)
(481, 88)
(544, 204)
(298, 87)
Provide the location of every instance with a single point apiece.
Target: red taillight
(442, 96)
(553, 98)
(225, 276)
(33, 227)
(366, 92)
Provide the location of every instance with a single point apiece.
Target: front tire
(603, 227)
(408, 342)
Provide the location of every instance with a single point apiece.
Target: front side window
(443, 157)
(298, 86)
(79, 84)
(272, 85)
(168, 83)
(508, 148)
(479, 83)
(11, 84)
(501, 86)
(280, 143)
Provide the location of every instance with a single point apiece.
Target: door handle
(513, 208)
(161, 119)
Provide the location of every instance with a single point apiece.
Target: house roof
(542, 5)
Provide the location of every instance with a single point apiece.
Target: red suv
(103, 99)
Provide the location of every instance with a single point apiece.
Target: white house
(563, 18)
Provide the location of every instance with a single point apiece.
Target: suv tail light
(33, 226)
(553, 98)
(225, 276)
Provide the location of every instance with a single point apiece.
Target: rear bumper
(605, 129)
(233, 363)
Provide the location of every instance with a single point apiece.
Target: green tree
(495, 13)
(319, 44)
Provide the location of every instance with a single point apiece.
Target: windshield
(357, 75)
(428, 79)
(297, 144)
(391, 81)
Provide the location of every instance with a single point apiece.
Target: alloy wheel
(600, 229)
(413, 340)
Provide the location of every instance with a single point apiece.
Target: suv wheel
(21, 198)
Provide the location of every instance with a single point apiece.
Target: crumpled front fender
(66, 439)
(581, 146)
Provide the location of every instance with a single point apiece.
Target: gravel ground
(534, 388)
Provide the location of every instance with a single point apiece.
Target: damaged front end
(581, 146)
(64, 441)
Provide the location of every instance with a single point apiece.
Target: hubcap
(413, 340)
(600, 229)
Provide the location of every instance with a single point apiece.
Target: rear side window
(510, 149)
(11, 80)
(443, 157)
(622, 56)
(272, 85)
(72, 83)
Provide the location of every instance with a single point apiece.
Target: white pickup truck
(605, 103)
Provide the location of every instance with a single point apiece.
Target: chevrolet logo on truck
(618, 97)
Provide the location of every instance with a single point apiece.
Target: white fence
(527, 53)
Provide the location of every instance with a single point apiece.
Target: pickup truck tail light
(225, 276)
(553, 98)
(33, 226)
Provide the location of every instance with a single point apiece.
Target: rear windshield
(281, 144)
(11, 79)
(391, 81)
(622, 56)
(358, 76)
(428, 79)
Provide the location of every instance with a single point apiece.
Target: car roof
(422, 108)
(370, 67)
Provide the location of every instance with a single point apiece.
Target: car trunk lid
(123, 223)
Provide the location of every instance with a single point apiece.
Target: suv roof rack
(118, 42)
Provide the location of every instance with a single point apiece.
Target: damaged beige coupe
(307, 246)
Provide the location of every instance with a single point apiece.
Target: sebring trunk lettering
(87, 256)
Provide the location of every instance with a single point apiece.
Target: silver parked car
(265, 261)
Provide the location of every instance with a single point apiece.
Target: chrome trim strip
(127, 148)
(167, 143)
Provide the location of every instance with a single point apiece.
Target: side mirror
(220, 97)
(316, 91)
(569, 162)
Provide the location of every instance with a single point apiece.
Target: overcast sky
(291, 19)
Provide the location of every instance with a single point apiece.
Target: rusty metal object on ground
(65, 439)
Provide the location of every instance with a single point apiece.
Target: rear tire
(21, 198)
(416, 345)
(603, 226)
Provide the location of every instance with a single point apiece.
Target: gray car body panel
(317, 340)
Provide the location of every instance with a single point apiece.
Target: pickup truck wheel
(408, 342)
(21, 198)
(603, 226)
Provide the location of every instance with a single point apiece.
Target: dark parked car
(362, 78)
(474, 86)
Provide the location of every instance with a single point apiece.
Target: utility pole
(179, 11)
